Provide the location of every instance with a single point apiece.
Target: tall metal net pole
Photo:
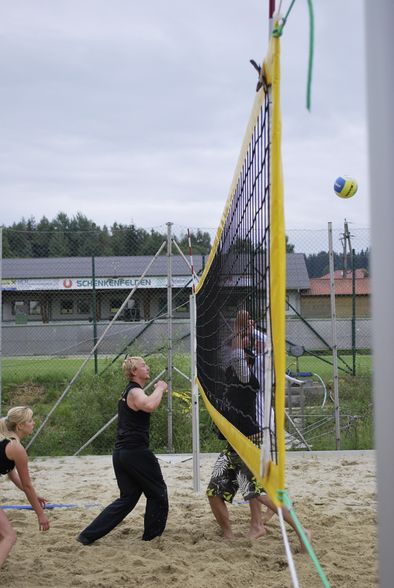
(334, 340)
(379, 25)
(170, 443)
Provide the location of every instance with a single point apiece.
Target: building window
(83, 307)
(18, 307)
(115, 304)
(162, 301)
(34, 307)
(181, 302)
(66, 307)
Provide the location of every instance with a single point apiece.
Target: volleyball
(345, 187)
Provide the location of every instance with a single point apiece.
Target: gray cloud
(136, 111)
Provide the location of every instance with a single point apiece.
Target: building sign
(8, 285)
(35, 284)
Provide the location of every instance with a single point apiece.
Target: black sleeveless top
(6, 465)
(133, 425)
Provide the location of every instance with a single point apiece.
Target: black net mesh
(233, 310)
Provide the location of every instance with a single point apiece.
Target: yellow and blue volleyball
(345, 187)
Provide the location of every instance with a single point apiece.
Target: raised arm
(138, 400)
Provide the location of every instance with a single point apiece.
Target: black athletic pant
(137, 471)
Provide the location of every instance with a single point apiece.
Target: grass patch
(92, 401)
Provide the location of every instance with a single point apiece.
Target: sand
(334, 496)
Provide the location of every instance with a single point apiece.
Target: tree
(289, 246)
(200, 242)
(79, 236)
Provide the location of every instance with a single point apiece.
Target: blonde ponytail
(15, 416)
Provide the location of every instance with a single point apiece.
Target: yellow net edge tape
(278, 260)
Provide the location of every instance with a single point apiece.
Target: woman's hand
(43, 522)
(43, 501)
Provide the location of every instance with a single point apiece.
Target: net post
(379, 23)
(195, 399)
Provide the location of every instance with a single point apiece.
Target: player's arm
(15, 479)
(138, 400)
(21, 478)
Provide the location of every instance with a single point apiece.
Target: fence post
(170, 443)
(334, 339)
(94, 314)
(354, 348)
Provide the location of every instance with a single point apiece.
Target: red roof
(343, 285)
(359, 274)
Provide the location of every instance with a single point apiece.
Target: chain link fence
(75, 302)
(310, 318)
(329, 338)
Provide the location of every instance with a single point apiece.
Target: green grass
(355, 404)
(92, 401)
(323, 365)
(44, 369)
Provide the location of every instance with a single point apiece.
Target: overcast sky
(133, 111)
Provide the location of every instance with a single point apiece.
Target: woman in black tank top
(137, 469)
(14, 462)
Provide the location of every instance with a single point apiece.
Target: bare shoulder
(134, 397)
(14, 449)
(135, 392)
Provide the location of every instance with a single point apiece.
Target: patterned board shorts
(229, 475)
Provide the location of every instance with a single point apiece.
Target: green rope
(284, 499)
(277, 32)
(311, 50)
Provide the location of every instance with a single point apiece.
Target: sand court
(334, 495)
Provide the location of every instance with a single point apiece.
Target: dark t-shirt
(133, 425)
(6, 465)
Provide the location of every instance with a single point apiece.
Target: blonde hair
(15, 416)
(130, 365)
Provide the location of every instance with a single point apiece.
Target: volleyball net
(240, 298)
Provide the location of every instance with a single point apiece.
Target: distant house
(61, 289)
(297, 281)
(48, 290)
(316, 301)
